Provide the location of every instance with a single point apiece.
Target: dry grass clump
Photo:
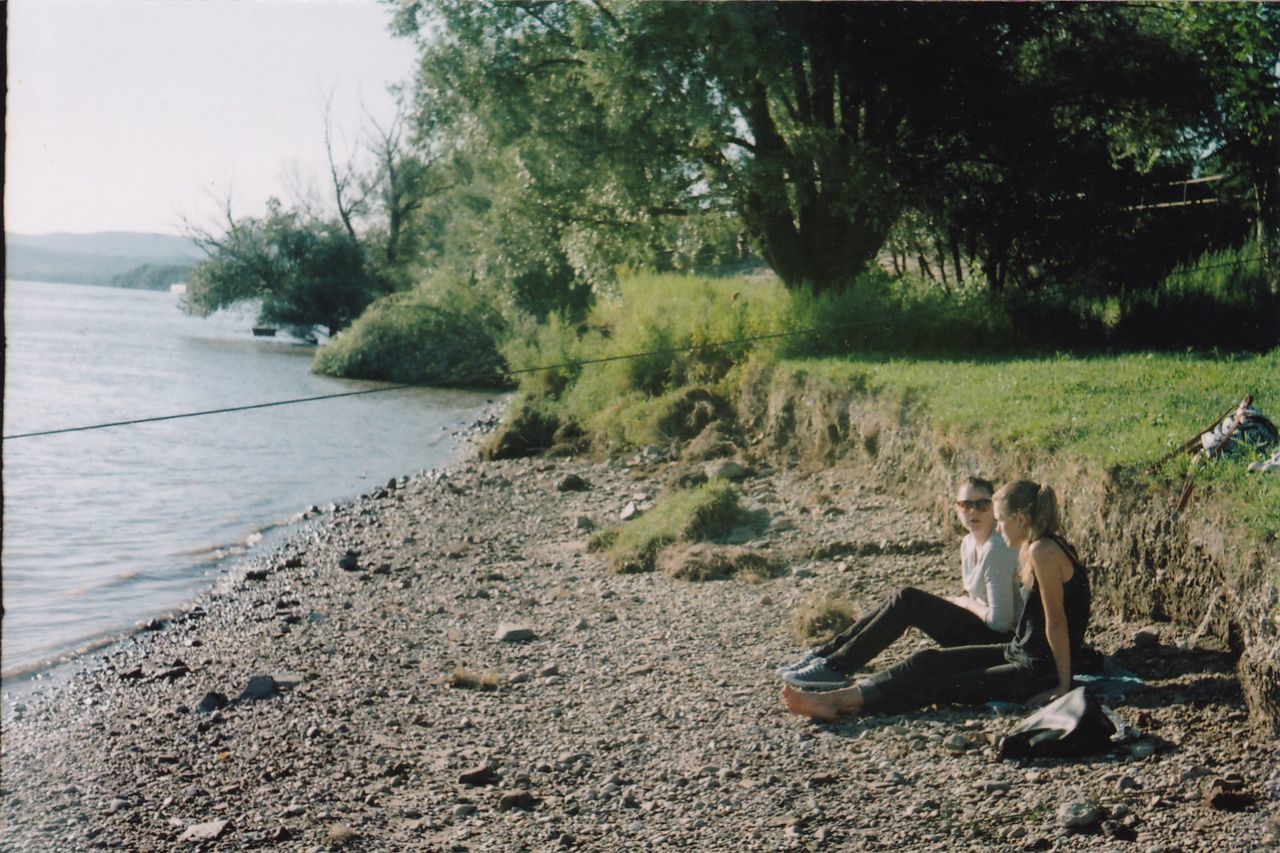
(466, 679)
(819, 617)
(704, 562)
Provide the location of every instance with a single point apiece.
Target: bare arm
(1051, 567)
(973, 605)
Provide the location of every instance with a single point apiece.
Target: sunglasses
(981, 504)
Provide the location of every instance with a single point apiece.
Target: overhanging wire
(403, 386)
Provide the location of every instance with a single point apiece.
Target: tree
(1239, 47)
(818, 124)
(302, 271)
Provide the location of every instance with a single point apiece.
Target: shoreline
(643, 711)
(231, 561)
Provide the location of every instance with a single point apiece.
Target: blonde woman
(1034, 667)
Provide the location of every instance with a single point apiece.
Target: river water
(107, 528)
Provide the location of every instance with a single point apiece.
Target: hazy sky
(133, 114)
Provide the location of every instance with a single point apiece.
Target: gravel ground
(351, 691)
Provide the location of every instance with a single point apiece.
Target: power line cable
(133, 421)
(403, 386)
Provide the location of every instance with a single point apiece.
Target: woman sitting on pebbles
(985, 614)
(1036, 663)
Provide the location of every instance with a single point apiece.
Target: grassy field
(1125, 411)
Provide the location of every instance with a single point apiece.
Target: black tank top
(1030, 642)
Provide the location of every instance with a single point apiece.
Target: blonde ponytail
(1038, 503)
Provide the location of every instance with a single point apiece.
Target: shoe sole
(820, 685)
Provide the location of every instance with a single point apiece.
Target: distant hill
(105, 258)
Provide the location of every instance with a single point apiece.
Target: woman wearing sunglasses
(985, 614)
(1034, 667)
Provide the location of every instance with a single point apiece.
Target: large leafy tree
(301, 271)
(815, 124)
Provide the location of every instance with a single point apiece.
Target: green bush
(1226, 299)
(439, 334)
(677, 326)
(707, 512)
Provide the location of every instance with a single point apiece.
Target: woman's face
(974, 511)
(1015, 527)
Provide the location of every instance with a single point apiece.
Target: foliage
(1239, 48)
(303, 271)
(152, 276)
(813, 127)
(678, 323)
(707, 512)
(439, 334)
(1228, 299)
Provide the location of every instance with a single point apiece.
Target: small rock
(485, 774)
(584, 523)
(1142, 749)
(350, 561)
(1079, 815)
(208, 831)
(211, 702)
(727, 469)
(1146, 638)
(956, 743)
(513, 632)
(517, 800)
(1118, 831)
(1128, 783)
(116, 805)
(572, 483)
(1226, 795)
(464, 810)
(260, 687)
(629, 511)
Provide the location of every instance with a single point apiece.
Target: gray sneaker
(808, 658)
(816, 676)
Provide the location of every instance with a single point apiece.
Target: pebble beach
(443, 664)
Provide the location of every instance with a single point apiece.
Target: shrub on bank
(437, 335)
(683, 331)
(707, 512)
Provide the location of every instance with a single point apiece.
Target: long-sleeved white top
(990, 577)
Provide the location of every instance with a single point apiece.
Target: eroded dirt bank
(638, 712)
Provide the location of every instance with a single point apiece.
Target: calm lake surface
(106, 528)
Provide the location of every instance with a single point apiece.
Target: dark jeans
(968, 675)
(945, 623)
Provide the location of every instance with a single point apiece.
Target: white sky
(129, 115)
